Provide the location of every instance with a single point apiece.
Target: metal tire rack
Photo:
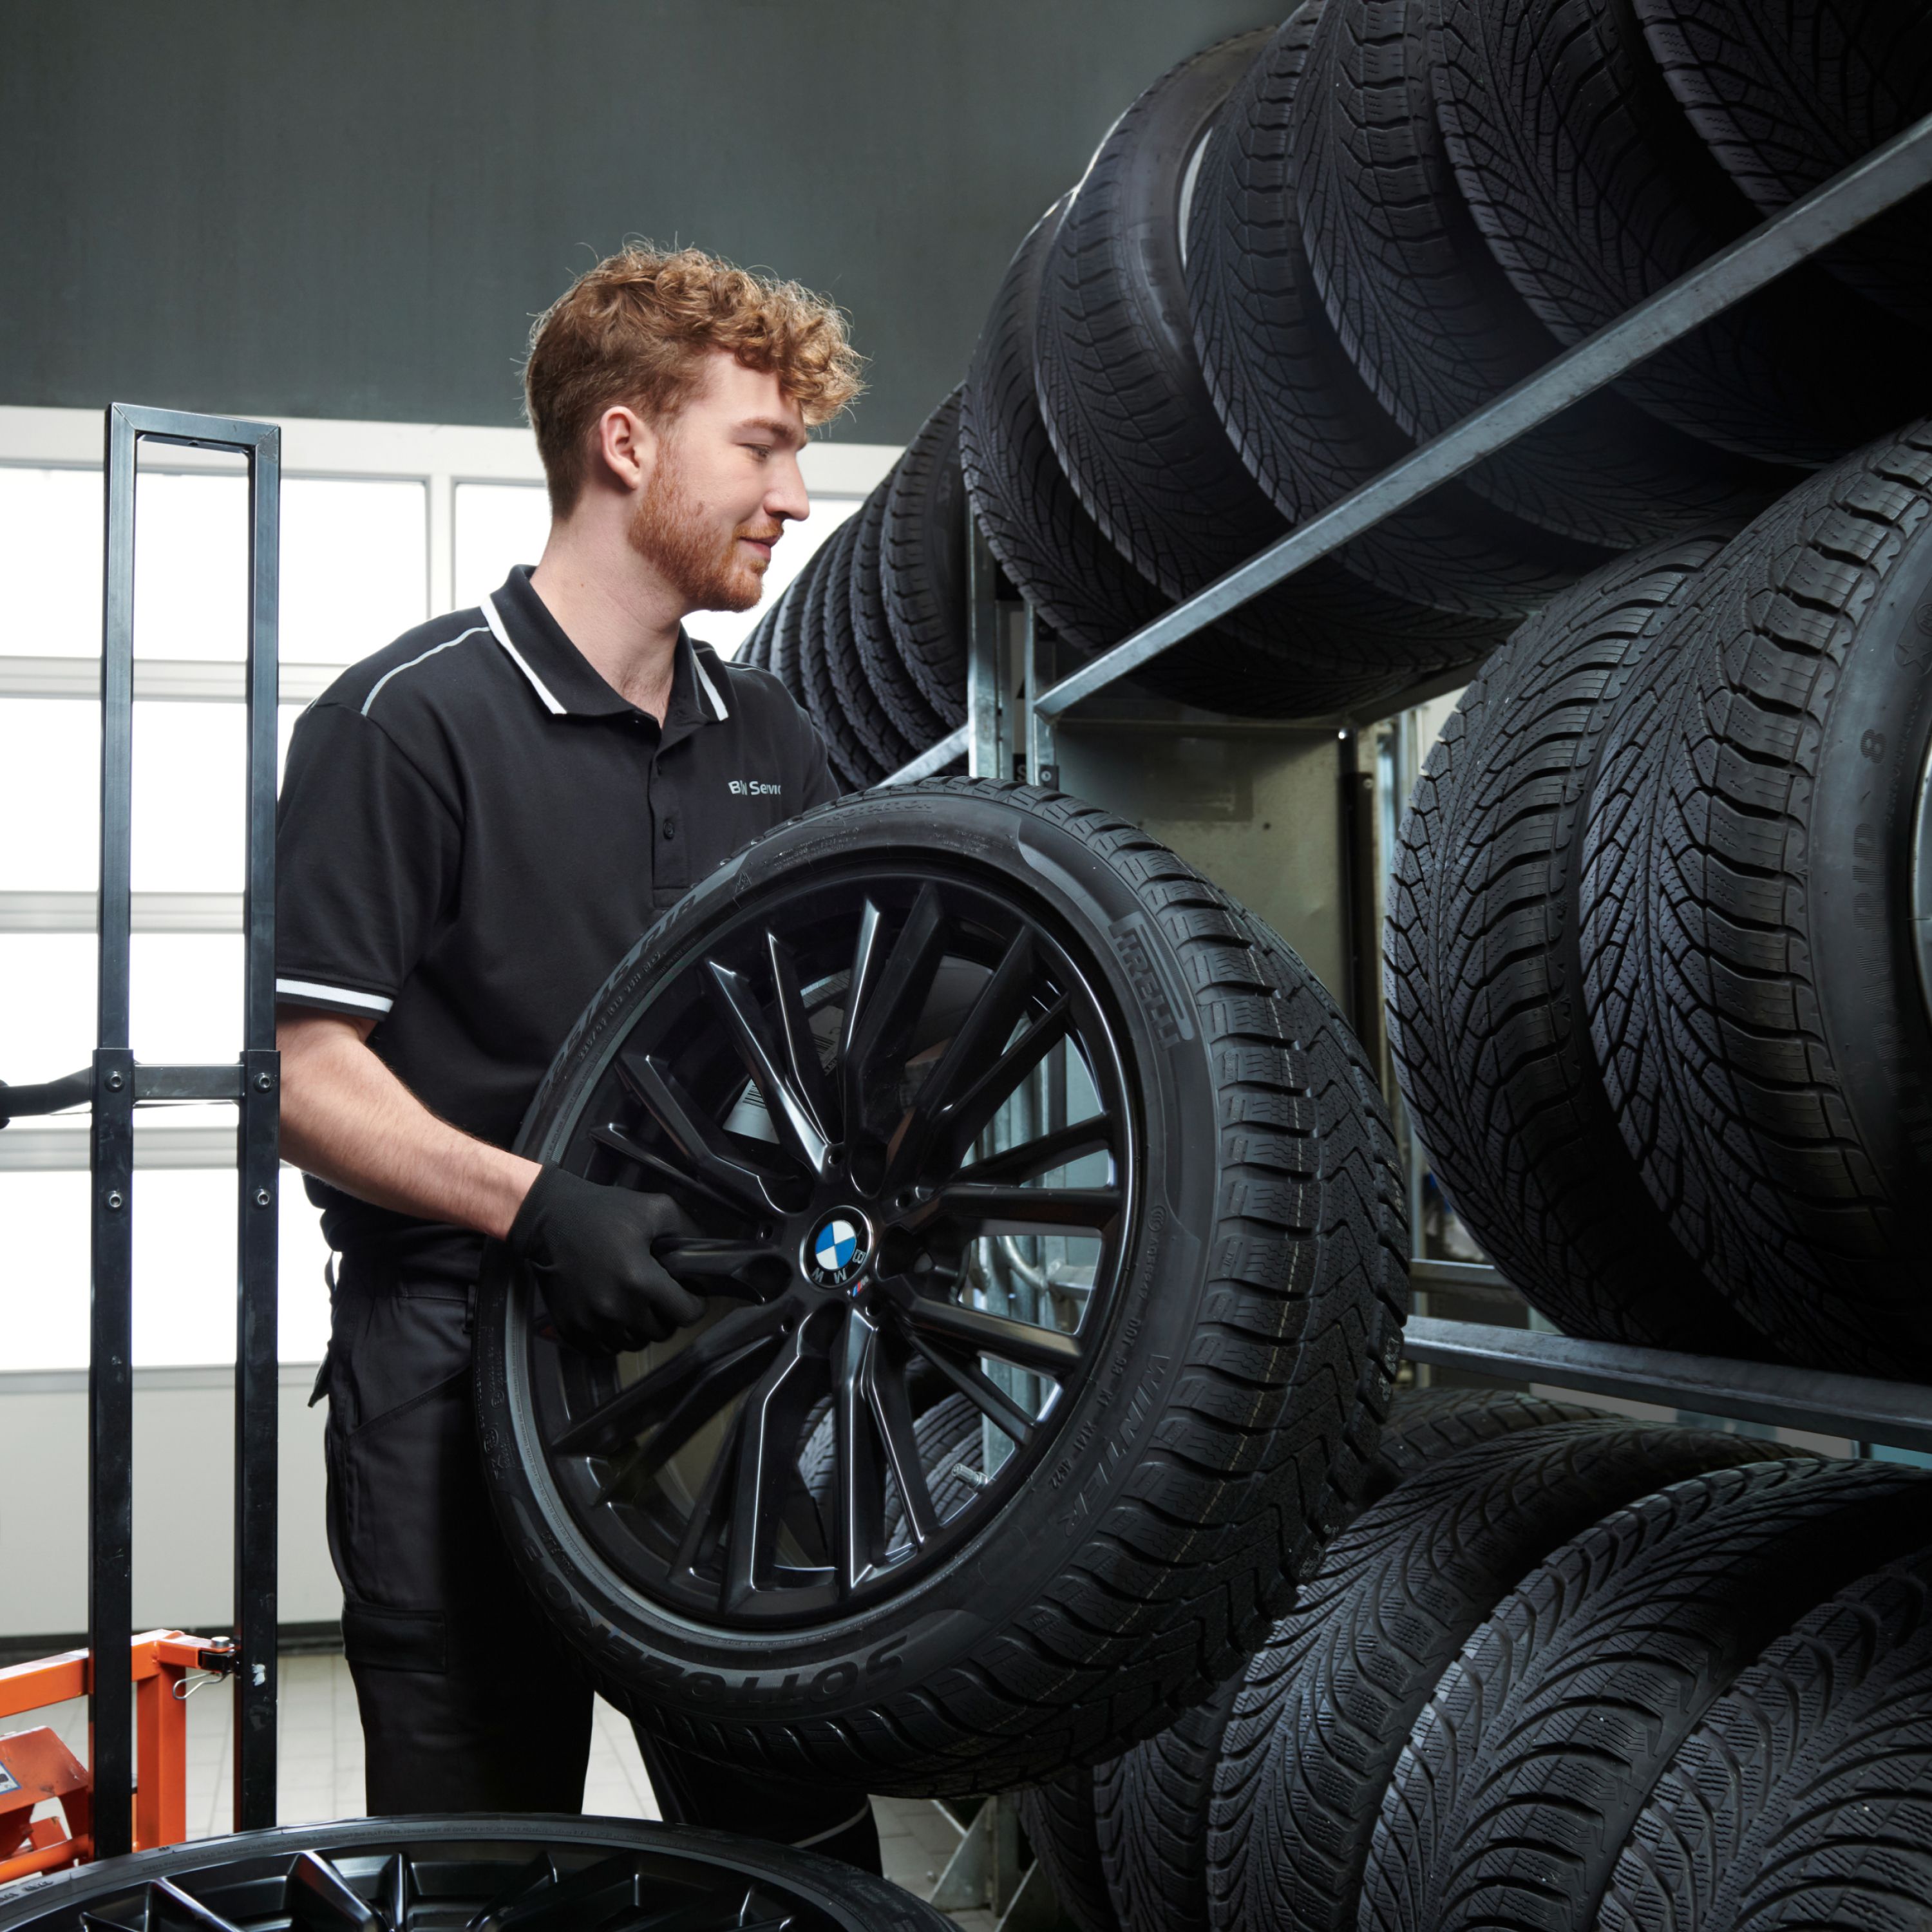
(1024, 720)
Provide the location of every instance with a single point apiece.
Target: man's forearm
(347, 1118)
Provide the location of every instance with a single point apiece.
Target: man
(476, 823)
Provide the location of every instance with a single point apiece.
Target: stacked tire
(1569, 1670)
(1303, 252)
(1657, 960)
(870, 636)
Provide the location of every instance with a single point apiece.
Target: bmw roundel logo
(838, 1248)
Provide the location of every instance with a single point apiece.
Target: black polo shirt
(474, 828)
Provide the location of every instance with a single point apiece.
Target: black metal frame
(116, 1085)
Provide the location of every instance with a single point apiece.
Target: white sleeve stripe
(502, 637)
(711, 692)
(302, 989)
(375, 689)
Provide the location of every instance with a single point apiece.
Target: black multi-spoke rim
(895, 1104)
(423, 1878)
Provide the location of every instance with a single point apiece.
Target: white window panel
(191, 772)
(185, 1269)
(725, 631)
(498, 525)
(355, 565)
(184, 1006)
(354, 554)
(50, 525)
(49, 794)
(191, 565)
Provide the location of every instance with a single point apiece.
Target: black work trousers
(470, 1701)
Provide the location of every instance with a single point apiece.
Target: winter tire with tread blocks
(1326, 1707)
(1594, 192)
(1484, 973)
(1748, 939)
(1153, 1803)
(1210, 1430)
(1805, 1799)
(1524, 1775)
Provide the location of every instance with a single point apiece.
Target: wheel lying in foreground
(496, 1874)
(976, 1093)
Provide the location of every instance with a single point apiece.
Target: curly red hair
(634, 330)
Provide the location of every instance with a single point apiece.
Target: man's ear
(627, 448)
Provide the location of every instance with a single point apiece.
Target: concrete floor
(319, 1772)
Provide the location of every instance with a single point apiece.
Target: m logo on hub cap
(838, 1248)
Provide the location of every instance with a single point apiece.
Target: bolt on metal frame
(1012, 724)
(116, 1084)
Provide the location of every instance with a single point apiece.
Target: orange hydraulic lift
(36, 1767)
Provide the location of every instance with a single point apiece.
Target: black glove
(589, 1249)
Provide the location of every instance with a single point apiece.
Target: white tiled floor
(320, 1770)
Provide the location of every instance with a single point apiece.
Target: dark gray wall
(355, 209)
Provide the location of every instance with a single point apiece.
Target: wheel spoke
(799, 1131)
(709, 1520)
(995, 1210)
(171, 1909)
(1024, 1344)
(727, 1378)
(979, 1388)
(317, 1898)
(651, 1084)
(882, 1038)
(869, 958)
(619, 1142)
(773, 1411)
(858, 1500)
(891, 1414)
(625, 1414)
(981, 1037)
(719, 1265)
(968, 1115)
(801, 1044)
(1032, 1158)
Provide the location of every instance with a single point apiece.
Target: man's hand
(589, 1249)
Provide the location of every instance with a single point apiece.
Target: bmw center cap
(838, 1248)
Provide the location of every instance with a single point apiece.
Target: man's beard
(671, 532)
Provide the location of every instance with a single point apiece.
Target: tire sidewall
(1877, 727)
(664, 1661)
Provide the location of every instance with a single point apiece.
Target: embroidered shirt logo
(753, 788)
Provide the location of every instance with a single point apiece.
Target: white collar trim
(710, 689)
(493, 618)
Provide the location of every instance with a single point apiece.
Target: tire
(1805, 1796)
(1747, 921)
(785, 621)
(872, 629)
(451, 1870)
(922, 572)
(860, 612)
(1483, 976)
(1593, 192)
(1032, 519)
(852, 764)
(1328, 1706)
(1146, 1814)
(1183, 1455)
(1304, 423)
(1432, 324)
(1035, 524)
(1787, 93)
(1059, 1820)
(1521, 1778)
(1134, 430)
